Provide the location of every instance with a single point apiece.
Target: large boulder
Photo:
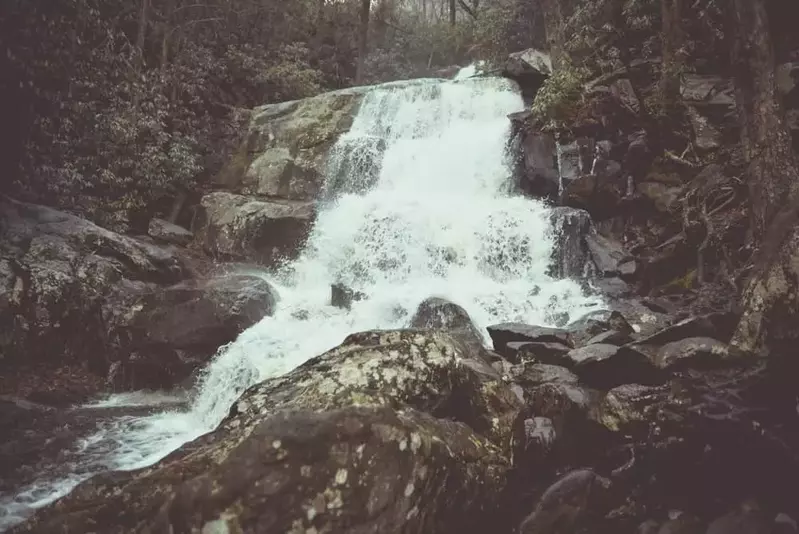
(538, 170)
(582, 252)
(340, 444)
(237, 227)
(56, 272)
(284, 153)
(173, 331)
(529, 68)
(440, 314)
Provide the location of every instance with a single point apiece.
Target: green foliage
(113, 133)
(110, 115)
(561, 93)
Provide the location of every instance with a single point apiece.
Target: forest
(114, 109)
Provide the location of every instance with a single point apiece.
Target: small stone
(536, 352)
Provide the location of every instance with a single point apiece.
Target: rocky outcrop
(340, 443)
(440, 314)
(235, 227)
(529, 68)
(56, 274)
(283, 155)
(583, 253)
(168, 333)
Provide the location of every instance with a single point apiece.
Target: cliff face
(674, 125)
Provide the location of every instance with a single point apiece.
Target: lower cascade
(417, 204)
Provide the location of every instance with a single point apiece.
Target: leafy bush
(561, 93)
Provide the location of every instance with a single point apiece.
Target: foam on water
(433, 219)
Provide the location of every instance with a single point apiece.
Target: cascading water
(417, 205)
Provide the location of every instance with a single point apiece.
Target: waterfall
(417, 204)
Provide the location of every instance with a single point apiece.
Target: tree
(363, 38)
(770, 301)
(672, 39)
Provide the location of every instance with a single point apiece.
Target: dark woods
(114, 109)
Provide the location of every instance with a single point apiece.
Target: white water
(437, 222)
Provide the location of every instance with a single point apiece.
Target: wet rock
(287, 146)
(570, 161)
(373, 467)
(571, 255)
(538, 351)
(239, 227)
(695, 353)
(502, 334)
(569, 504)
(354, 166)
(438, 313)
(539, 174)
(167, 232)
(175, 330)
(581, 252)
(342, 296)
(57, 272)
(340, 442)
(607, 366)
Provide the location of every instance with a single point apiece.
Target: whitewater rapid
(417, 204)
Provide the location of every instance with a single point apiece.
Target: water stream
(418, 204)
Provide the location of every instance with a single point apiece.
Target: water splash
(416, 205)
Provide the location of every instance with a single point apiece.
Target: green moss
(561, 94)
(688, 281)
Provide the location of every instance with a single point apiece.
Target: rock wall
(283, 154)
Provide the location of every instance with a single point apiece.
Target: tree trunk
(363, 37)
(142, 34)
(672, 38)
(770, 302)
(765, 139)
(453, 10)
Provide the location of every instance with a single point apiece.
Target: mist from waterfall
(417, 204)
